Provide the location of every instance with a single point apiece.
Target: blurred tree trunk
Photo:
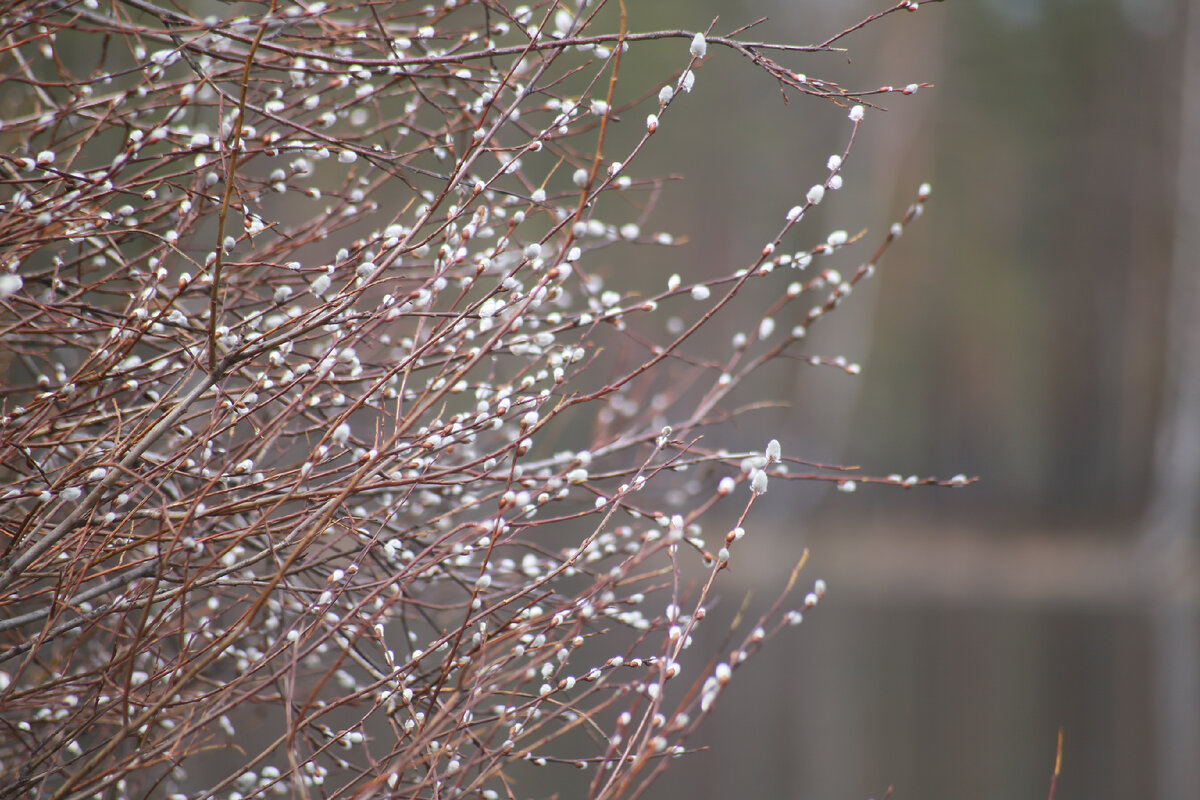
(1173, 514)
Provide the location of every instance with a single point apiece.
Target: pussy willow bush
(331, 467)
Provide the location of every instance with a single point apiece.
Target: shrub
(333, 464)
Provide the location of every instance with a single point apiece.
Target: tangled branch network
(331, 462)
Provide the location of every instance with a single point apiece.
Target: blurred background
(1037, 328)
